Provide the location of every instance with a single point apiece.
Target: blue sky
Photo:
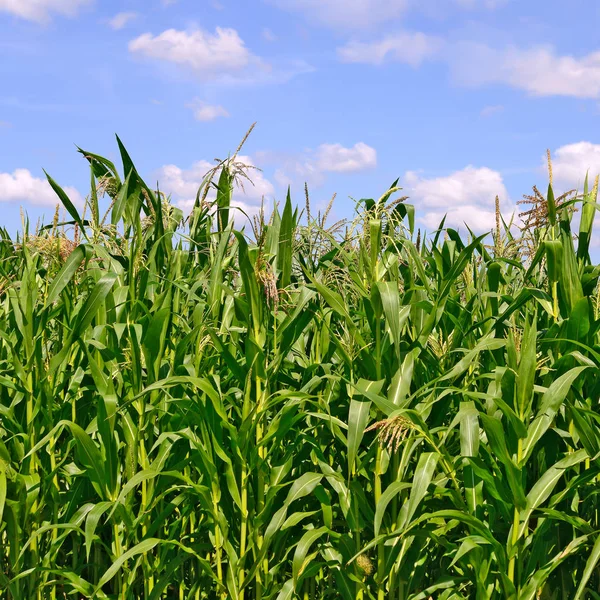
(458, 98)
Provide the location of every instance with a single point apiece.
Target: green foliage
(190, 412)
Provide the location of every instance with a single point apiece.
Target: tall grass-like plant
(309, 411)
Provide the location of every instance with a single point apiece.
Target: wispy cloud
(357, 14)
(120, 20)
(42, 10)
(367, 14)
(412, 48)
(314, 165)
(268, 35)
(489, 111)
(203, 111)
(539, 71)
(474, 4)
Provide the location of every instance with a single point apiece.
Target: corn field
(192, 409)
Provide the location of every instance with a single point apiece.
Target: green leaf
(70, 207)
(401, 382)
(543, 487)
(527, 369)
(91, 523)
(469, 429)
(358, 417)
(3, 488)
(586, 224)
(551, 205)
(467, 360)
(395, 315)
(66, 273)
(390, 493)
(497, 441)
(590, 565)
(303, 486)
(121, 199)
(141, 548)
(224, 190)
(93, 303)
(299, 562)
(423, 475)
(287, 591)
(551, 402)
(286, 241)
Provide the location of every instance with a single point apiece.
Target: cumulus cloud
(313, 166)
(571, 162)
(207, 112)
(42, 10)
(209, 55)
(21, 186)
(412, 48)
(183, 185)
(466, 196)
(120, 20)
(220, 57)
(338, 159)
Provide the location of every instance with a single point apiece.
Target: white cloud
(207, 112)
(466, 196)
(337, 158)
(183, 185)
(41, 10)
(313, 166)
(210, 55)
(299, 171)
(539, 71)
(488, 111)
(571, 162)
(22, 186)
(221, 57)
(120, 20)
(407, 47)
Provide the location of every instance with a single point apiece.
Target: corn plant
(189, 410)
